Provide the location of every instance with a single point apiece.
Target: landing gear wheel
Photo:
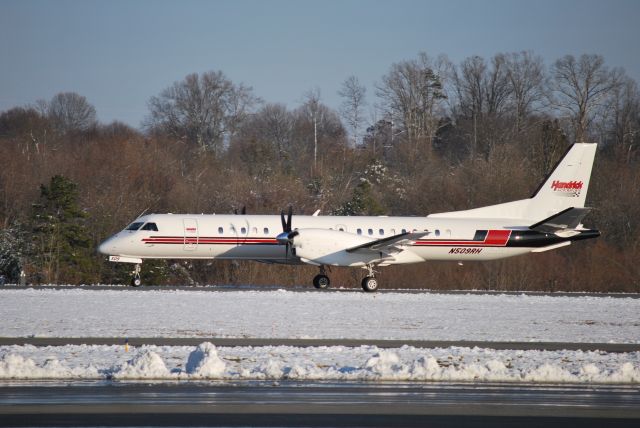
(136, 281)
(369, 284)
(321, 281)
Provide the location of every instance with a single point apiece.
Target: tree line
(434, 136)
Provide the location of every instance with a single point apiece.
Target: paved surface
(310, 288)
(303, 343)
(318, 404)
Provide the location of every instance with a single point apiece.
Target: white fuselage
(253, 237)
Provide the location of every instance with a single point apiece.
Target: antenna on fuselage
(143, 212)
(242, 212)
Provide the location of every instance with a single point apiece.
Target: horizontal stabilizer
(564, 220)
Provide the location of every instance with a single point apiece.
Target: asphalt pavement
(289, 404)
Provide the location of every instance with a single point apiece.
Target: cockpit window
(150, 226)
(135, 226)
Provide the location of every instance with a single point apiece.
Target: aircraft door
(191, 234)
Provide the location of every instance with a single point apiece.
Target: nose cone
(107, 247)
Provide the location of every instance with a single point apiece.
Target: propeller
(287, 235)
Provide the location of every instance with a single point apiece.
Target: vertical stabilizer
(567, 185)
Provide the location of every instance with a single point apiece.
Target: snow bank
(145, 365)
(365, 363)
(16, 366)
(351, 315)
(204, 362)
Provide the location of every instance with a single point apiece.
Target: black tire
(136, 281)
(321, 282)
(369, 284)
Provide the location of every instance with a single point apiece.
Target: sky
(118, 54)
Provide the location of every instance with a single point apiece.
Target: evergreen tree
(13, 246)
(62, 246)
(362, 202)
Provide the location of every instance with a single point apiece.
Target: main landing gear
(369, 283)
(321, 281)
(135, 280)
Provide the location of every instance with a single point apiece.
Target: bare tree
(275, 124)
(312, 105)
(580, 87)
(483, 92)
(623, 119)
(201, 109)
(526, 75)
(497, 87)
(69, 111)
(318, 133)
(353, 94)
(468, 81)
(412, 93)
(270, 129)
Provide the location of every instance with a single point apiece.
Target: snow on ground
(287, 314)
(365, 363)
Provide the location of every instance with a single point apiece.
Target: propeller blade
(284, 222)
(289, 215)
(244, 210)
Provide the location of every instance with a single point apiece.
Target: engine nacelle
(327, 247)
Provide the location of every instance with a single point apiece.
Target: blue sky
(120, 53)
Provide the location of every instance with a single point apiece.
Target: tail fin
(565, 187)
(567, 184)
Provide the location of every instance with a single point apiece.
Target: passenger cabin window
(404, 230)
(220, 230)
(370, 231)
(381, 232)
(266, 230)
(359, 231)
(243, 230)
(150, 226)
(135, 226)
(437, 232)
(341, 229)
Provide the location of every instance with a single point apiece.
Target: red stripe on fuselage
(206, 240)
(494, 238)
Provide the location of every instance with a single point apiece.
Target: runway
(303, 289)
(303, 343)
(311, 404)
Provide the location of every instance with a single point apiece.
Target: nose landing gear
(135, 280)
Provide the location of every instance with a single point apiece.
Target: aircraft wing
(564, 220)
(390, 244)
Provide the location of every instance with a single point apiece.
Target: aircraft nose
(107, 247)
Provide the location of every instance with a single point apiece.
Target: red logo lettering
(566, 185)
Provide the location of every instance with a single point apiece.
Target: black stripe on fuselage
(533, 239)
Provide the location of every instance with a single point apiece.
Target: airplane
(551, 218)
